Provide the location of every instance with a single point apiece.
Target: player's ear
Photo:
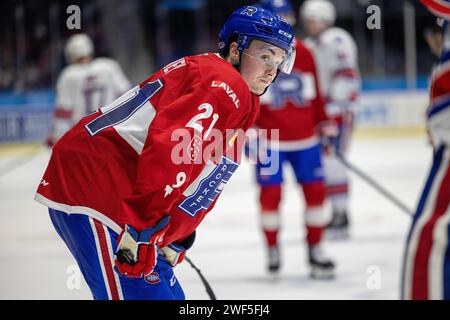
(234, 53)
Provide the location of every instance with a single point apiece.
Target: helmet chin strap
(276, 76)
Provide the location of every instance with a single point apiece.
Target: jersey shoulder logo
(174, 65)
(228, 90)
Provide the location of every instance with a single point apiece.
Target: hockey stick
(374, 184)
(208, 288)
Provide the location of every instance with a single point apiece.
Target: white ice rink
(35, 264)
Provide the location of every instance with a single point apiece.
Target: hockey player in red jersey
(426, 264)
(121, 191)
(294, 106)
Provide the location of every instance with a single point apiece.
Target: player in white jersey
(84, 85)
(335, 53)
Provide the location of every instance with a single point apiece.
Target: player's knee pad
(270, 197)
(314, 193)
(270, 222)
(317, 212)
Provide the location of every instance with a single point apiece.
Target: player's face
(435, 42)
(314, 27)
(259, 63)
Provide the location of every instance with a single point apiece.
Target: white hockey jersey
(336, 57)
(82, 89)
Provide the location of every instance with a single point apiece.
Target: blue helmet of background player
(276, 6)
(250, 23)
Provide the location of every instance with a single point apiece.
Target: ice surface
(35, 264)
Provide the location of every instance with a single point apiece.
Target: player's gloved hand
(137, 252)
(175, 252)
(327, 132)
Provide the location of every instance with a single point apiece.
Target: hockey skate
(273, 259)
(338, 228)
(321, 266)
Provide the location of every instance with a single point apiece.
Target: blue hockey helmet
(250, 23)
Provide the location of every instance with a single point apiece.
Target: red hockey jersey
(121, 164)
(438, 112)
(293, 103)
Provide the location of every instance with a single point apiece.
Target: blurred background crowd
(144, 35)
